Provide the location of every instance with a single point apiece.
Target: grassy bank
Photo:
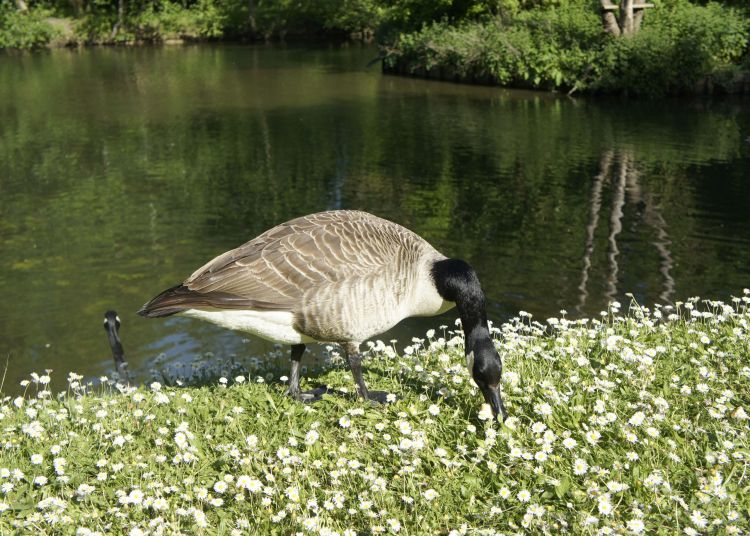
(682, 48)
(628, 423)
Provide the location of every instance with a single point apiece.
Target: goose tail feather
(181, 298)
(171, 301)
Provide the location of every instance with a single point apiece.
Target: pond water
(123, 170)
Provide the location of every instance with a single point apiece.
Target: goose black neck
(118, 353)
(456, 281)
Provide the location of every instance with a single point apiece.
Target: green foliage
(152, 21)
(412, 15)
(262, 19)
(559, 45)
(353, 15)
(204, 19)
(24, 29)
(675, 50)
(544, 4)
(546, 49)
(566, 48)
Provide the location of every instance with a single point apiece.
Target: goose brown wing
(280, 267)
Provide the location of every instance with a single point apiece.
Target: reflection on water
(619, 170)
(121, 171)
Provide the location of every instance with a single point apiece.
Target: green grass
(626, 423)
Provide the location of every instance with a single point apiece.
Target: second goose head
(456, 281)
(112, 327)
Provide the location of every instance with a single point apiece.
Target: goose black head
(486, 368)
(457, 281)
(112, 327)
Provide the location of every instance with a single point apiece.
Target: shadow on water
(121, 171)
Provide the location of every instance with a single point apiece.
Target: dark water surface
(123, 170)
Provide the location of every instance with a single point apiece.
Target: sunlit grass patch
(629, 423)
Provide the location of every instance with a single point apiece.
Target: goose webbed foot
(378, 397)
(308, 397)
(294, 391)
(355, 364)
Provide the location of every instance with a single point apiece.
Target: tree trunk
(77, 7)
(610, 23)
(21, 5)
(626, 17)
(629, 20)
(609, 18)
(120, 18)
(251, 12)
(638, 20)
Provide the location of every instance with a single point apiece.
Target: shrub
(207, 19)
(546, 49)
(24, 29)
(566, 48)
(676, 49)
(561, 45)
(157, 21)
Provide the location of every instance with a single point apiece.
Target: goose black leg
(354, 357)
(293, 390)
(296, 357)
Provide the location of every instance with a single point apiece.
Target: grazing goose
(112, 326)
(342, 276)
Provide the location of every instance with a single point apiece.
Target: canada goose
(341, 276)
(112, 327)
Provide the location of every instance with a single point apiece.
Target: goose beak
(492, 397)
